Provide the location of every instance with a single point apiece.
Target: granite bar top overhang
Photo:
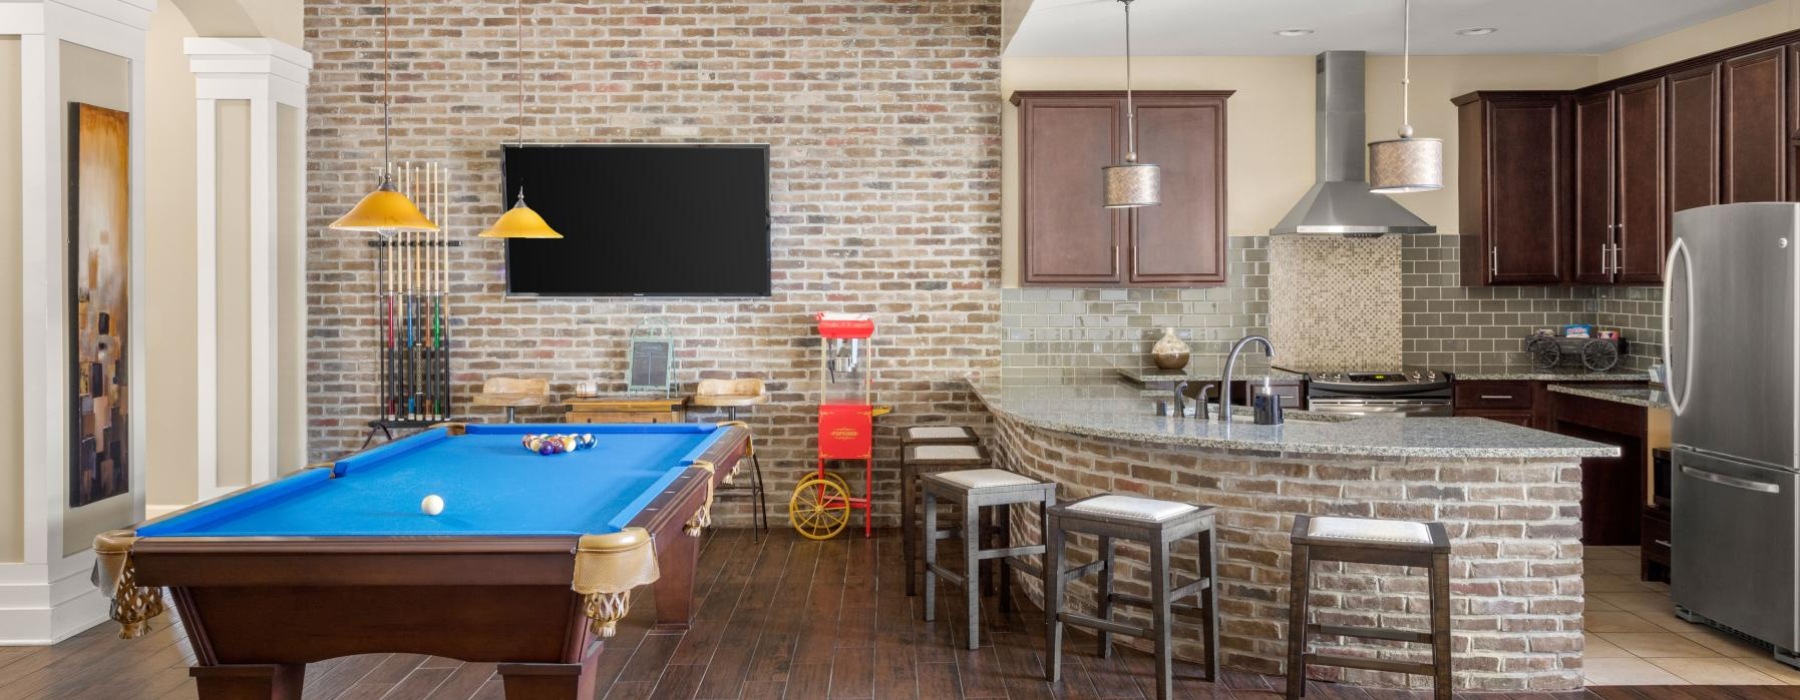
(1643, 395)
(1113, 410)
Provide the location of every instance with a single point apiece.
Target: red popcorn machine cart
(821, 505)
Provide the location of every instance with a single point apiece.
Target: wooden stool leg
(1004, 581)
(909, 492)
(1440, 625)
(1054, 585)
(1161, 620)
(1298, 591)
(759, 497)
(928, 537)
(1209, 622)
(973, 537)
(1103, 590)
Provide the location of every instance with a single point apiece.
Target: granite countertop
(1115, 410)
(1526, 372)
(1643, 395)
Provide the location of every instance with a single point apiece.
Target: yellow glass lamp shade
(385, 209)
(520, 222)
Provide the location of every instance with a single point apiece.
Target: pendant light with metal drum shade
(1131, 184)
(1406, 164)
(521, 221)
(385, 209)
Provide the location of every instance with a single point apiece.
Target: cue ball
(432, 505)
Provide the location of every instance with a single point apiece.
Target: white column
(267, 74)
(47, 597)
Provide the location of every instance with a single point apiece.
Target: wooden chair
(514, 393)
(1362, 541)
(732, 394)
(1158, 525)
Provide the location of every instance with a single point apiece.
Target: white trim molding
(268, 74)
(47, 597)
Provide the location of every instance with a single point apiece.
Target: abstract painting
(99, 302)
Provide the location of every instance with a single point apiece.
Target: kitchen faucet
(1230, 361)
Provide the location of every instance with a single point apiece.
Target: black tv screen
(641, 220)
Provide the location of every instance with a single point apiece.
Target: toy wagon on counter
(1596, 354)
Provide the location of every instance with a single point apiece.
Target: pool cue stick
(437, 331)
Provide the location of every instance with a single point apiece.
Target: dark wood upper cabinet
(1756, 132)
(1693, 165)
(1641, 234)
(1512, 170)
(1068, 238)
(1182, 241)
(1595, 214)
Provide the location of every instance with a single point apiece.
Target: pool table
(339, 559)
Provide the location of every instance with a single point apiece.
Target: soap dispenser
(1266, 404)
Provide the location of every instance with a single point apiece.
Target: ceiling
(1247, 27)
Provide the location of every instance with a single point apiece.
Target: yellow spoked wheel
(820, 508)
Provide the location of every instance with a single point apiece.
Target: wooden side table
(626, 409)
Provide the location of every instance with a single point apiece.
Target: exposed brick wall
(1515, 571)
(884, 121)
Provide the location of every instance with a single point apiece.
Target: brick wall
(884, 121)
(1515, 569)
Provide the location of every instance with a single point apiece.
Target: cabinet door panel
(1524, 178)
(1594, 184)
(1752, 89)
(1066, 235)
(1182, 241)
(1693, 167)
(1641, 238)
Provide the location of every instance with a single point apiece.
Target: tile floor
(1634, 637)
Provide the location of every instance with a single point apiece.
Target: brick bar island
(1510, 497)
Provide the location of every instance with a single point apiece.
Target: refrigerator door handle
(1732, 481)
(1678, 400)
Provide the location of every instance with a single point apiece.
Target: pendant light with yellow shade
(520, 221)
(385, 210)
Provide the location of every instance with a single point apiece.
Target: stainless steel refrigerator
(1729, 329)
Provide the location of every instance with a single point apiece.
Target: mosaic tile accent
(1049, 330)
(1335, 301)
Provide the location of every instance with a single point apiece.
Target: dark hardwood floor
(779, 618)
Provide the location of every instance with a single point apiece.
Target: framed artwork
(99, 262)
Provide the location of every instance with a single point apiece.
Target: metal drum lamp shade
(520, 221)
(1131, 184)
(1406, 164)
(385, 209)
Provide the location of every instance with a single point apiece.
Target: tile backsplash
(1344, 303)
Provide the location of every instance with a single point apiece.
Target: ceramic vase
(1170, 353)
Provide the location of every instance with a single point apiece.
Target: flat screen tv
(641, 220)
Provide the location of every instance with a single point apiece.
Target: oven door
(1417, 408)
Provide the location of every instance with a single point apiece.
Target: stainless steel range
(1406, 391)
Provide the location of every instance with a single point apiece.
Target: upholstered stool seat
(973, 490)
(939, 435)
(1363, 541)
(1159, 525)
(921, 459)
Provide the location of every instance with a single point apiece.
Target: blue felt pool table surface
(491, 485)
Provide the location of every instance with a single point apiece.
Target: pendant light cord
(387, 76)
(1130, 112)
(521, 11)
(1406, 130)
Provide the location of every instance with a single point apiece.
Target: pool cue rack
(412, 308)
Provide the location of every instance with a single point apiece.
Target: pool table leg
(249, 681)
(553, 681)
(676, 558)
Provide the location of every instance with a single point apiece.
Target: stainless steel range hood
(1340, 203)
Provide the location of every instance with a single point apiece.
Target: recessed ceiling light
(1293, 32)
(1477, 31)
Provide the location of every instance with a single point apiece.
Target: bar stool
(939, 435)
(916, 460)
(1157, 524)
(732, 394)
(1360, 541)
(975, 489)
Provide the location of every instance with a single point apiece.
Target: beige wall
(233, 292)
(1270, 144)
(1755, 23)
(290, 252)
(1012, 12)
(169, 218)
(104, 80)
(12, 362)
